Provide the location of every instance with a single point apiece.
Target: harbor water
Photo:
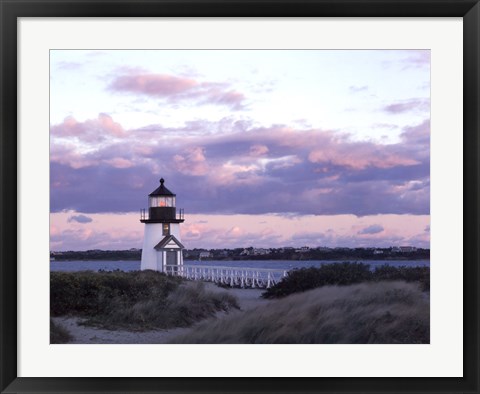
(107, 265)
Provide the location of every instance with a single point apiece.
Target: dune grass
(58, 334)
(139, 300)
(383, 313)
(342, 274)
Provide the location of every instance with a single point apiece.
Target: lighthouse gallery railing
(144, 215)
(230, 276)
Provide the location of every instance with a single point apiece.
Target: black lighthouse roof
(161, 190)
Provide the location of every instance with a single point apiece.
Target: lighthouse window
(156, 202)
(166, 228)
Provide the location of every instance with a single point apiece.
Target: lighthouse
(162, 249)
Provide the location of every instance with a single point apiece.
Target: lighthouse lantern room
(162, 249)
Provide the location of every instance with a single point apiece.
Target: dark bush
(88, 293)
(137, 300)
(408, 274)
(345, 273)
(328, 274)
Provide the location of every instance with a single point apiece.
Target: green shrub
(136, 300)
(90, 293)
(185, 305)
(345, 273)
(328, 274)
(408, 274)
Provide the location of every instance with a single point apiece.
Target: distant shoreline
(258, 254)
(406, 259)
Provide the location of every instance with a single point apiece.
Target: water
(96, 265)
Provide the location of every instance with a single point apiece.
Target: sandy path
(247, 299)
(86, 335)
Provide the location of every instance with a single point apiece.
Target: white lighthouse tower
(162, 249)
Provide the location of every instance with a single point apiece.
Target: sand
(247, 299)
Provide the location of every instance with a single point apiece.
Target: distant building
(303, 249)
(378, 251)
(260, 251)
(205, 254)
(403, 249)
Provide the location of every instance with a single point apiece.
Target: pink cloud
(54, 230)
(160, 85)
(258, 150)
(191, 162)
(143, 150)
(89, 238)
(118, 162)
(358, 156)
(67, 154)
(234, 232)
(198, 235)
(108, 125)
(192, 231)
(216, 95)
(176, 88)
(234, 174)
(92, 130)
(113, 231)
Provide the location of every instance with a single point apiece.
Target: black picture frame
(10, 10)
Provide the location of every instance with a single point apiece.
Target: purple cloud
(373, 229)
(79, 219)
(176, 88)
(422, 105)
(417, 59)
(248, 170)
(333, 239)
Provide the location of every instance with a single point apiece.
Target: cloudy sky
(263, 148)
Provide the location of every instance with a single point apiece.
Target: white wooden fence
(230, 276)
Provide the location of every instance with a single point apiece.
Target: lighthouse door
(172, 257)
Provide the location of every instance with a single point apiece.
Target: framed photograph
(239, 197)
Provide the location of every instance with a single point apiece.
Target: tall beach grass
(59, 334)
(391, 312)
